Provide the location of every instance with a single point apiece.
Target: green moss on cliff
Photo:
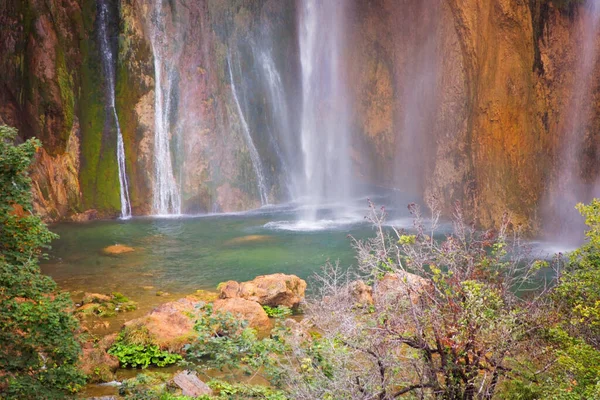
(133, 67)
(98, 175)
(65, 84)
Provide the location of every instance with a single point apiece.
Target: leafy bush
(224, 390)
(277, 312)
(135, 348)
(225, 342)
(38, 347)
(442, 321)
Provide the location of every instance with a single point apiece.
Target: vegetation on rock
(136, 348)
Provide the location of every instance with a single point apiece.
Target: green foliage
(38, 348)
(578, 289)
(277, 312)
(224, 390)
(157, 386)
(149, 386)
(225, 342)
(134, 348)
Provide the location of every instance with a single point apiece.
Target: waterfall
(254, 156)
(281, 118)
(562, 222)
(166, 199)
(325, 132)
(109, 70)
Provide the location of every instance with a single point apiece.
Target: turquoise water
(182, 255)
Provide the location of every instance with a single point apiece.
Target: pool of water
(184, 254)
(181, 255)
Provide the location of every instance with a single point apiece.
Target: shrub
(135, 348)
(38, 347)
(451, 331)
(277, 312)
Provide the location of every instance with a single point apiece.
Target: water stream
(325, 128)
(166, 199)
(562, 222)
(109, 71)
(254, 156)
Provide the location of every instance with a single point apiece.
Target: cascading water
(166, 198)
(109, 71)
(561, 220)
(325, 132)
(254, 156)
(281, 119)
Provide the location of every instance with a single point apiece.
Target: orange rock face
(249, 310)
(269, 290)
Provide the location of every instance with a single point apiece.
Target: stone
(229, 290)
(361, 293)
(400, 285)
(88, 215)
(191, 385)
(96, 363)
(117, 249)
(268, 290)
(249, 310)
(97, 298)
(171, 324)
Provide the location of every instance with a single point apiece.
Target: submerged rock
(248, 239)
(191, 385)
(117, 249)
(248, 310)
(269, 290)
(96, 298)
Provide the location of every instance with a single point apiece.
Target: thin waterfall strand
(254, 156)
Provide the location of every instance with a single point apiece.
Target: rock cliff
(459, 100)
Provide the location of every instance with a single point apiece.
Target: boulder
(269, 290)
(400, 285)
(96, 363)
(85, 216)
(229, 290)
(117, 249)
(249, 310)
(191, 385)
(361, 293)
(171, 324)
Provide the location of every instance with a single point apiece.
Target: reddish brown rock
(249, 310)
(98, 298)
(270, 290)
(361, 293)
(400, 285)
(85, 216)
(171, 325)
